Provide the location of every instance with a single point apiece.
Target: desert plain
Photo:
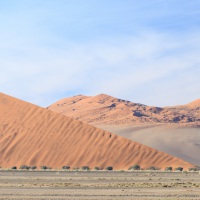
(101, 185)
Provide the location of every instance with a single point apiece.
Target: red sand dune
(192, 105)
(107, 110)
(33, 135)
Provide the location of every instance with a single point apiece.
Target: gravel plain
(98, 185)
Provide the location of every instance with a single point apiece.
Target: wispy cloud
(69, 48)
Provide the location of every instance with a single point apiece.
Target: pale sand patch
(180, 142)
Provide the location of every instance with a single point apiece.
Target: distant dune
(104, 109)
(32, 135)
(174, 130)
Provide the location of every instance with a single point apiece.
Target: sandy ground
(180, 142)
(98, 185)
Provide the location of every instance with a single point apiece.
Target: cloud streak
(129, 57)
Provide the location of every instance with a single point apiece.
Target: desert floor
(182, 142)
(98, 185)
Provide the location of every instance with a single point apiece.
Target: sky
(145, 51)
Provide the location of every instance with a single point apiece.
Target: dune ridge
(105, 109)
(33, 135)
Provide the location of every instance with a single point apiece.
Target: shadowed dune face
(104, 109)
(36, 136)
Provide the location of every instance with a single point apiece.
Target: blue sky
(145, 51)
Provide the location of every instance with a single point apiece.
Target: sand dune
(193, 105)
(104, 109)
(33, 135)
(174, 130)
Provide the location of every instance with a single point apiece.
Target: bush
(195, 169)
(134, 167)
(109, 168)
(33, 167)
(23, 167)
(66, 167)
(14, 167)
(179, 169)
(153, 168)
(45, 167)
(96, 168)
(76, 168)
(85, 168)
(168, 168)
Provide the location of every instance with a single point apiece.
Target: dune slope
(33, 135)
(105, 109)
